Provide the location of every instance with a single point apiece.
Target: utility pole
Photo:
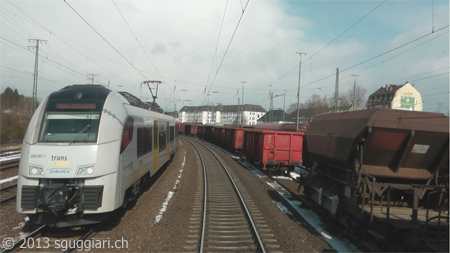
(298, 89)
(336, 92)
(238, 120)
(354, 93)
(91, 77)
(36, 61)
(242, 117)
(271, 108)
(284, 104)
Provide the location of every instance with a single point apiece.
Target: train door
(155, 146)
(168, 141)
(127, 152)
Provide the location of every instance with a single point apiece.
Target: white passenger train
(87, 151)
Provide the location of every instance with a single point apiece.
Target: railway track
(11, 246)
(300, 208)
(9, 164)
(227, 222)
(60, 239)
(8, 193)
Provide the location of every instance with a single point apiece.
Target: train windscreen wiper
(88, 126)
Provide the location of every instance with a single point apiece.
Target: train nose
(55, 197)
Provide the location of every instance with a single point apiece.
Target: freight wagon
(229, 137)
(384, 175)
(273, 149)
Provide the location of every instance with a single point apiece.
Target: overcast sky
(201, 47)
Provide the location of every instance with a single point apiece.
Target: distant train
(382, 174)
(88, 151)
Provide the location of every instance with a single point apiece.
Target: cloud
(179, 41)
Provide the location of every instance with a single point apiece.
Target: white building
(225, 114)
(402, 97)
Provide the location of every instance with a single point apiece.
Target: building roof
(223, 108)
(277, 116)
(197, 108)
(384, 95)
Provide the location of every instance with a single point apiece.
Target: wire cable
(107, 42)
(218, 39)
(229, 44)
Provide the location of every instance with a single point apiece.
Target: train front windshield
(70, 127)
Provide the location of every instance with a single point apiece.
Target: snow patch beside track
(171, 193)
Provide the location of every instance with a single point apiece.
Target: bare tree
(316, 104)
(347, 98)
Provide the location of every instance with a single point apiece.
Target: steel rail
(23, 239)
(9, 198)
(257, 238)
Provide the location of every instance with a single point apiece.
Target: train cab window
(127, 134)
(69, 127)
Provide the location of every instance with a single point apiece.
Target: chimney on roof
(387, 87)
(390, 88)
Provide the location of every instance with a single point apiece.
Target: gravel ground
(159, 220)
(138, 225)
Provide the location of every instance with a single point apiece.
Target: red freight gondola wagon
(219, 135)
(278, 149)
(201, 132)
(191, 130)
(229, 137)
(181, 128)
(208, 133)
(282, 127)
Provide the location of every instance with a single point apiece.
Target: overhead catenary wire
(138, 41)
(57, 63)
(217, 43)
(379, 55)
(329, 43)
(94, 60)
(67, 41)
(104, 39)
(385, 60)
(114, 48)
(229, 44)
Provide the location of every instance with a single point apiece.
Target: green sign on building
(407, 103)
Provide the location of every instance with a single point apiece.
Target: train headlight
(86, 170)
(35, 170)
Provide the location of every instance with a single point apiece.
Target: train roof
(78, 91)
(98, 93)
(282, 126)
(352, 123)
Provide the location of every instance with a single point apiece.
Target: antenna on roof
(154, 82)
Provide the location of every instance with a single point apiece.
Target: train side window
(141, 132)
(155, 134)
(168, 132)
(172, 133)
(162, 140)
(127, 134)
(148, 140)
